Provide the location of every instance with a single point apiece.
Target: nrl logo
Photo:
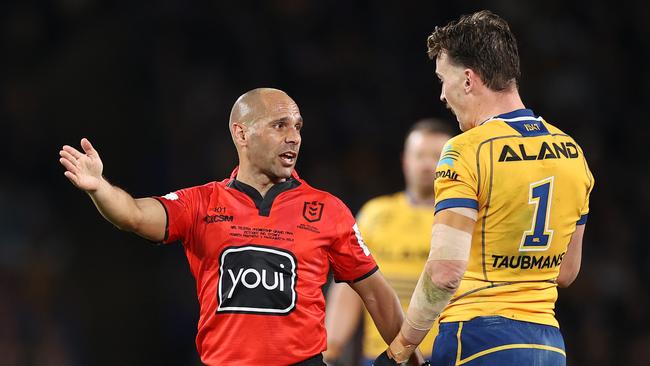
(313, 211)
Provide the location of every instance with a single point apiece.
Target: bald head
(254, 104)
(265, 126)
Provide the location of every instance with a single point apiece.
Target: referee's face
(275, 137)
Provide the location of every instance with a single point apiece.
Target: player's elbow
(446, 281)
(566, 278)
(447, 275)
(564, 282)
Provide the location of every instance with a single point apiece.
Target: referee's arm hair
(145, 216)
(571, 262)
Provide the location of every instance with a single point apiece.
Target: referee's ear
(238, 132)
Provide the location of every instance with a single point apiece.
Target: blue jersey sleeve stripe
(583, 220)
(456, 202)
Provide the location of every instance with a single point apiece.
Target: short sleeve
(179, 207)
(455, 179)
(584, 212)
(350, 257)
(366, 221)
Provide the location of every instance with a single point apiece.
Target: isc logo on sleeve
(258, 280)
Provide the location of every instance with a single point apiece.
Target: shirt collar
(233, 175)
(523, 112)
(517, 113)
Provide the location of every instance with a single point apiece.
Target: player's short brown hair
(432, 126)
(482, 42)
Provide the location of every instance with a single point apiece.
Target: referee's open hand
(83, 169)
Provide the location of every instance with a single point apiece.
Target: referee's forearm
(388, 317)
(116, 206)
(382, 304)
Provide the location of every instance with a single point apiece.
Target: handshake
(391, 358)
(385, 359)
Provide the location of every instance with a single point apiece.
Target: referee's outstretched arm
(144, 216)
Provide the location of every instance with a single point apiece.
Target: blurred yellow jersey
(398, 234)
(530, 184)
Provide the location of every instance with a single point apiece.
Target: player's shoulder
(553, 129)
(462, 146)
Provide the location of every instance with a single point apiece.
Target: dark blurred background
(152, 84)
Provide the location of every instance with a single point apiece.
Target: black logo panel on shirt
(257, 280)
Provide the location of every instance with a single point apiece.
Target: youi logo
(257, 279)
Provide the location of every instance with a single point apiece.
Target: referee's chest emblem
(313, 211)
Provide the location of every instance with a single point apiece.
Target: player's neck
(497, 103)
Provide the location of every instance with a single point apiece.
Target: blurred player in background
(259, 244)
(397, 229)
(512, 197)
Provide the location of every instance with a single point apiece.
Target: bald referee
(259, 243)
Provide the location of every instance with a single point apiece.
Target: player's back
(530, 183)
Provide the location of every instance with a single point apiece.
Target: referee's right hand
(84, 170)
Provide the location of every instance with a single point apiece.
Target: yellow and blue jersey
(398, 234)
(530, 184)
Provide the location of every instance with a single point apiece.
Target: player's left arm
(451, 240)
(384, 307)
(571, 261)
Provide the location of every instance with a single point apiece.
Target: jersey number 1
(539, 236)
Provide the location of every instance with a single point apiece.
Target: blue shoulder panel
(529, 128)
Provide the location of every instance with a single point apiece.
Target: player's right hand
(84, 170)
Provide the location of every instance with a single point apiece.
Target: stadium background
(152, 83)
